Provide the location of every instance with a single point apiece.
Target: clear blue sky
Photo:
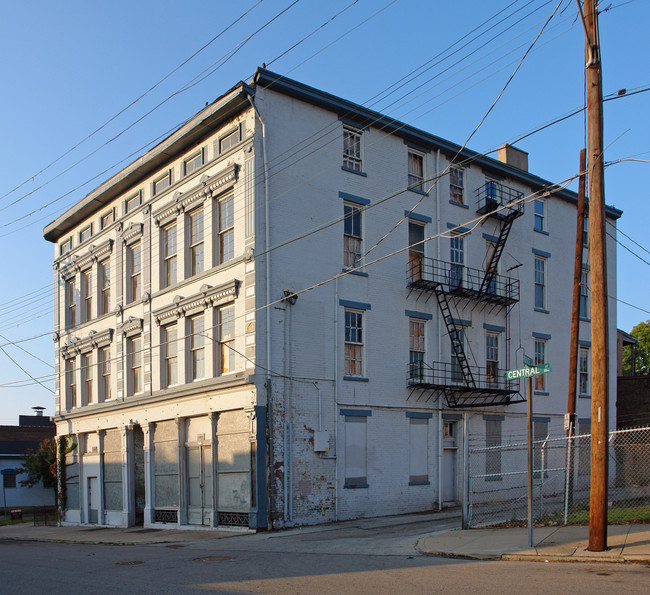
(70, 66)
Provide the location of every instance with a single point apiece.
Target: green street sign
(527, 372)
(528, 361)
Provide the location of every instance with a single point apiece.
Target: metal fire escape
(464, 385)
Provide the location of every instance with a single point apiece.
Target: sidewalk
(626, 543)
(109, 535)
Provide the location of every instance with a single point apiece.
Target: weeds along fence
(498, 480)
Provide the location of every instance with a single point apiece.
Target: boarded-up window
(166, 464)
(418, 450)
(112, 470)
(355, 451)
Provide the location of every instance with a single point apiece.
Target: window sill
(541, 393)
(356, 486)
(458, 204)
(420, 192)
(357, 272)
(582, 319)
(354, 171)
(583, 396)
(419, 483)
(542, 311)
(542, 231)
(356, 378)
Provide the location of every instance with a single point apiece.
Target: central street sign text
(528, 371)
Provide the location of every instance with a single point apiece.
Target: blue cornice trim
(356, 378)
(462, 322)
(419, 414)
(541, 253)
(355, 199)
(452, 416)
(542, 419)
(417, 147)
(489, 238)
(422, 218)
(360, 116)
(355, 305)
(355, 272)
(414, 314)
(541, 336)
(356, 412)
(494, 327)
(457, 229)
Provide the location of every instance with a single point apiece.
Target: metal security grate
(165, 516)
(234, 519)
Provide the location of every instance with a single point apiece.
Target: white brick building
(245, 337)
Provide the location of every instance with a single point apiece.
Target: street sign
(528, 361)
(528, 371)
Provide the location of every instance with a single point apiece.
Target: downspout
(336, 401)
(439, 335)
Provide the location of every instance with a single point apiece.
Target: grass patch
(5, 522)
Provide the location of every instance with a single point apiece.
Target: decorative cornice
(95, 339)
(83, 261)
(132, 232)
(208, 297)
(132, 326)
(224, 179)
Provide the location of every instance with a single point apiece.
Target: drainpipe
(336, 401)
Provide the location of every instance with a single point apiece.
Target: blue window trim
(354, 305)
(541, 253)
(356, 378)
(489, 238)
(494, 417)
(452, 416)
(416, 217)
(465, 230)
(541, 336)
(584, 319)
(354, 171)
(542, 231)
(542, 310)
(419, 414)
(352, 271)
(420, 192)
(356, 412)
(353, 124)
(584, 343)
(414, 314)
(494, 327)
(419, 483)
(462, 322)
(541, 393)
(416, 147)
(353, 198)
(546, 420)
(584, 396)
(355, 486)
(458, 204)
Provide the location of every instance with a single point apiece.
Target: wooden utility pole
(599, 322)
(575, 325)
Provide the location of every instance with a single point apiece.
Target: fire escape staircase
(461, 386)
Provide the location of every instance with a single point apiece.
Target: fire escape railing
(499, 200)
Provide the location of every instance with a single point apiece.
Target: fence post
(466, 484)
(567, 473)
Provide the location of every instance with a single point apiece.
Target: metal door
(93, 500)
(199, 485)
(449, 462)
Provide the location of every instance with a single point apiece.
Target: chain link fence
(498, 480)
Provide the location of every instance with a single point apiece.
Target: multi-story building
(296, 310)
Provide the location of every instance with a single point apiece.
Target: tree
(641, 351)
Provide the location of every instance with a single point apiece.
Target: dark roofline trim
(366, 117)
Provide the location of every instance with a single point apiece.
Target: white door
(199, 484)
(93, 500)
(449, 462)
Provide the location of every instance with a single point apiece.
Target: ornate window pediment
(86, 260)
(95, 339)
(131, 327)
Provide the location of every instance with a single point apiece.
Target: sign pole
(530, 461)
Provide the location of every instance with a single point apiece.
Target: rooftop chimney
(38, 411)
(513, 156)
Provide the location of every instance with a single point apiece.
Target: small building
(15, 443)
(297, 310)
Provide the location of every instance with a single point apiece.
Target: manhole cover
(214, 559)
(129, 563)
